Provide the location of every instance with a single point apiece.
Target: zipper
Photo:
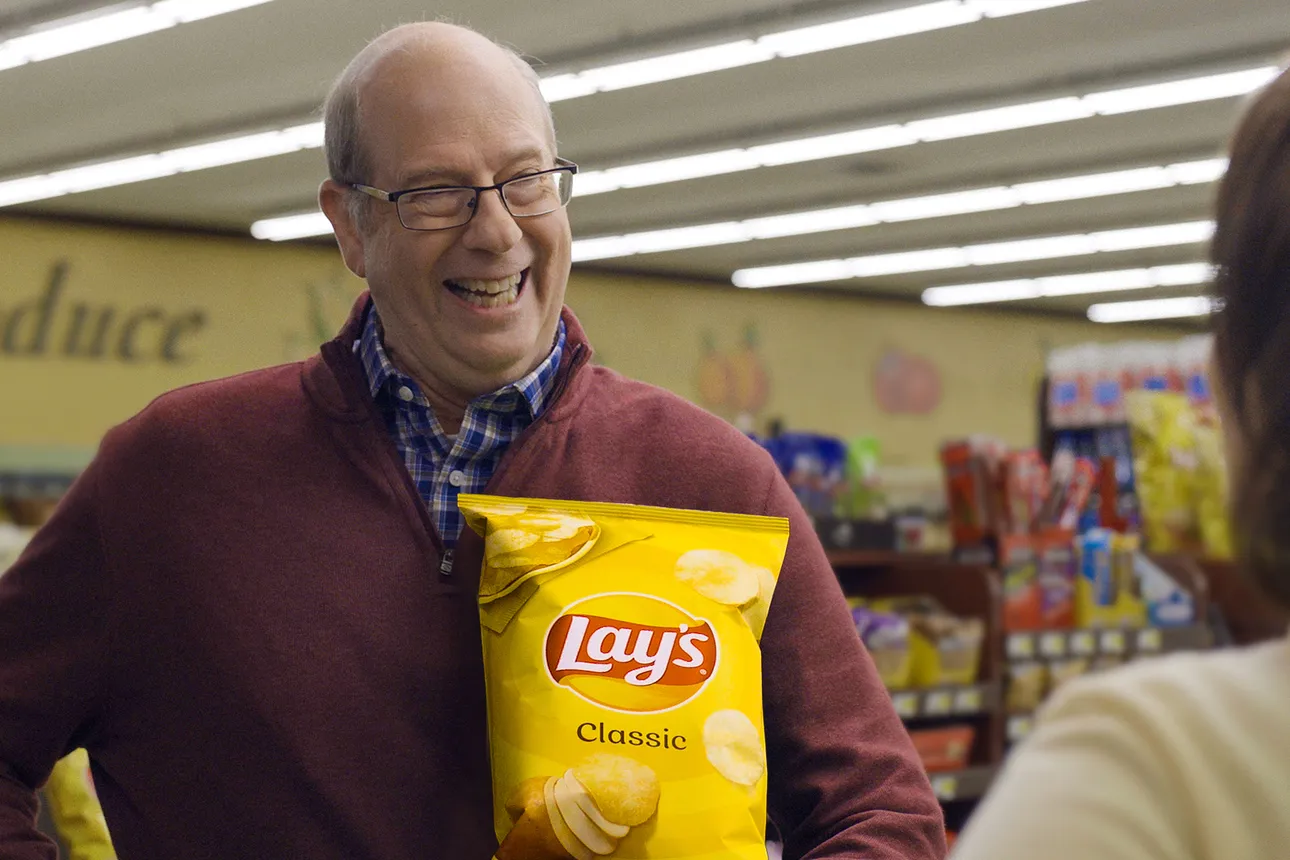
(391, 453)
(575, 364)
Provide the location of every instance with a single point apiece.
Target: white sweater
(1184, 757)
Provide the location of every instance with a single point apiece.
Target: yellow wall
(252, 297)
(262, 304)
(821, 351)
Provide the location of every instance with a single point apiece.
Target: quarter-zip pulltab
(445, 566)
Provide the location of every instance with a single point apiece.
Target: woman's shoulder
(1198, 691)
(1176, 756)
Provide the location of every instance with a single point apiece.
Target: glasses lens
(538, 194)
(435, 210)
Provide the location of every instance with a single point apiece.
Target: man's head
(433, 104)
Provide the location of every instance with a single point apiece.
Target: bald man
(256, 608)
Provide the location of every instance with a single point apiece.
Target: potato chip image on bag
(623, 673)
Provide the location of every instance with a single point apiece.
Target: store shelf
(948, 701)
(1059, 644)
(34, 485)
(1019, 726)
(967, 784)
(862, 558)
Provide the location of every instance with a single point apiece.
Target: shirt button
(405, 394)
(457, 478)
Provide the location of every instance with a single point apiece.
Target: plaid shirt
(442, 466)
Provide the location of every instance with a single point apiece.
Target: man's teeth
(488, 293)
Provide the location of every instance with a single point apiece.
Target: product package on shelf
(1119, 586)
(1181, 476)
(886, 637)
(944, 749)
(844, 489)
(815, 467)
(863, 496)
(1088, 384)
(940, 647)
(973, 489)
(1043, 527)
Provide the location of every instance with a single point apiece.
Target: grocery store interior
(945, 259)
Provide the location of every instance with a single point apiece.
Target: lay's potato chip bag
(624, 677)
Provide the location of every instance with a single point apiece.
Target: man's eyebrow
(442, 176)
(433, 176)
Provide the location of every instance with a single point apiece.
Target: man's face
(473, 307)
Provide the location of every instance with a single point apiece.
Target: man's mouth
(489, 293)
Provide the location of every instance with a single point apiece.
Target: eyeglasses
(445, 207)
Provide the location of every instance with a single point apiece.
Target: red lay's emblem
(631, 652)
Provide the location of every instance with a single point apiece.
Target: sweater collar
(336, 381)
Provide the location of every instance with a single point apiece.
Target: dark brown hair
(1251, 254)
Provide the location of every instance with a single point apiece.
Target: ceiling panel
(271, 65)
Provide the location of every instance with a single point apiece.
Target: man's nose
(492, 228)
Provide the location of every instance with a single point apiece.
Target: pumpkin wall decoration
(715, 378)
(734, 385)
(752, 381)
(906, 384)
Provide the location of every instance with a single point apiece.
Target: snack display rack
(975, 590)
(963, 589)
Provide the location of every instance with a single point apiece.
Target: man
(248, 609)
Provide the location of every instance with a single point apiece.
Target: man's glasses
(445, 207)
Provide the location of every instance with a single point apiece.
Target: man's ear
(333, 198)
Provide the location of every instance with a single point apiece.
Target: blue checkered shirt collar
(442, 466)
(383, 378)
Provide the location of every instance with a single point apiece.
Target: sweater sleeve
(1091, 782)
(52, 655)
(845, 781)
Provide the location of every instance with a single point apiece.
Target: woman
(1189, 756)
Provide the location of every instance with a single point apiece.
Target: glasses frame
(563, 166)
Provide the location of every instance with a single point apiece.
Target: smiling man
(257, 607)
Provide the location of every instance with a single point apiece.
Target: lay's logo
(631, 652)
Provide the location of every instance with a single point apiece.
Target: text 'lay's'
(624, 677)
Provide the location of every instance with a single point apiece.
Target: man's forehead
(430, 169)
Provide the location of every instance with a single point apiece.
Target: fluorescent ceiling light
(1099, 185)
(828, 146)
(676, 169)
(1152, 309)
(681, 65)
(976, 294)
(942, 205)
(691, 237)
(793, 273)
(1135, 238)
(107, 25)
(908, 261)
(871, 28)
(1026, 250)
(291, 227)
(801, 223)
(874, 27)
(920, 208)
(891, 211)
(138, 168)
(1226, 86)
(968, 124)
(999, 119)
(1004, 8)
(1068, 285)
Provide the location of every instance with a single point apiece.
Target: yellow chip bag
(624, 677)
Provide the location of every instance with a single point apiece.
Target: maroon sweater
(240, 611)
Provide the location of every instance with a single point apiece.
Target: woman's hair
(1251, 254)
